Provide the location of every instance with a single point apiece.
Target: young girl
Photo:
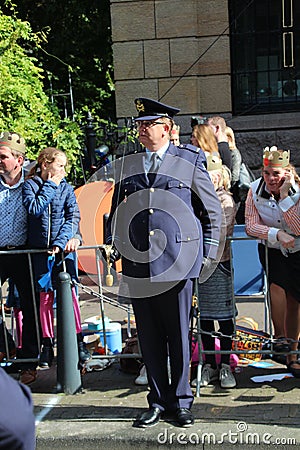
(215, 293)
(53, 219)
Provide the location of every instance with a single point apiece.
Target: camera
(198, 121)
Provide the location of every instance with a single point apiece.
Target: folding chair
(249, 278)
(249, 282)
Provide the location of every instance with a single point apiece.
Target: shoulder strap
(190, 147)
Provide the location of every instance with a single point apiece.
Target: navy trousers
(163, 329)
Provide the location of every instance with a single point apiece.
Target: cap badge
(140, 106)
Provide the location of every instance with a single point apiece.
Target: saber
(109, 279)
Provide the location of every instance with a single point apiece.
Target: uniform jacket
(17, 427)
(53, 213)
(162, 230)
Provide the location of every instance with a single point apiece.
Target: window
(265, 55)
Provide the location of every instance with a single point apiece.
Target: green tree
(77, 42)
(24, 106)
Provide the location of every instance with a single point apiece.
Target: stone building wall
(178, 51)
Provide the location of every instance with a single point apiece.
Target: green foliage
(47, 47)
(75, 40)
(24, 106)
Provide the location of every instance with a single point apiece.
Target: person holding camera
(273, 215)
(218, 126)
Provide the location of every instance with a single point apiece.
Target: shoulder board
(190, 147)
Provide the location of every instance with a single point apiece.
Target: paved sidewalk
(102, 415)
(253, 415)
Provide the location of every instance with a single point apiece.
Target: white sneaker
(208, 375)
(227, 379)
(142, 379)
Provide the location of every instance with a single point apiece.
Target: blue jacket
(53, 213)
(164, 229)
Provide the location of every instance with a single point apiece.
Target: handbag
(45, 280)
(131, 365)
(249, 338)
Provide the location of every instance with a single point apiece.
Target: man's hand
(206, 264)
(72, 245)
(110, 253)
(207, 268)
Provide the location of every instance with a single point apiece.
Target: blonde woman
(203, 137)
(218, 125)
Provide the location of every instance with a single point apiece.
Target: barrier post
(68, 373)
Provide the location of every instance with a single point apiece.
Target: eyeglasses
(147, 123)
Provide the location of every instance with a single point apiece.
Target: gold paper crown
(12, 140)
(214, 162)
(175, 130)
(273, 157)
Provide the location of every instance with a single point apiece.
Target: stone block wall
(178, 51)
(167, 49)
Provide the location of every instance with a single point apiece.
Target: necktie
(154, 167)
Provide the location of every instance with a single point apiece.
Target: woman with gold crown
(273, 214)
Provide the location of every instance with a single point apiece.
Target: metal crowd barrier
(68, 370)
(239, 294)
(68, 373)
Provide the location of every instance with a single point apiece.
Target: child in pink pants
(53, 219)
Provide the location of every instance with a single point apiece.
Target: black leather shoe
(184, 417)
(149, 418)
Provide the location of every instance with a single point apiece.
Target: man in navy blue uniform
(17, 422)
(165, 219)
